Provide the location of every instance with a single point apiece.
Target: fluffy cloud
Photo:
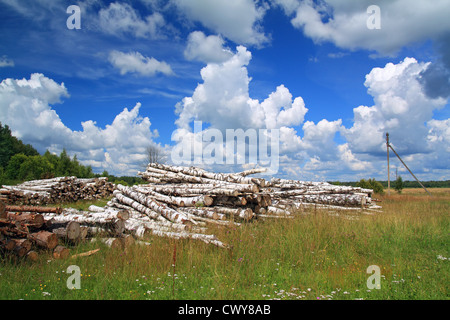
(119, 147)
(436, 78)
(223, 100)
(206, 48)
(237, 20)
(344, 23)
(121, 18)
(135, 62)
(401, 108)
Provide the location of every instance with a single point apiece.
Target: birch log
(164, 210)
(186, 172)
(71, 231)
(179, 201)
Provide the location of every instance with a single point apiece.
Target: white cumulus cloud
(222, 101)
(206, 48)
(236, 20)
(123, 19)
(119, 147)
(344, 22)
(401, 108)
(135, 62)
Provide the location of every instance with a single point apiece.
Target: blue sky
(137, 71)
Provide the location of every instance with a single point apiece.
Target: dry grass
(317, 255)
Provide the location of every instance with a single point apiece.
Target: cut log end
(73, 230)
(60, 252)
(45, 239)
(32, 256)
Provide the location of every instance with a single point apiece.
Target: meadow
(317, 255)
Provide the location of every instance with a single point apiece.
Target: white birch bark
(178, 201)
(164, 210)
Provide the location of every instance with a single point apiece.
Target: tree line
(22, 162)
(397, 184)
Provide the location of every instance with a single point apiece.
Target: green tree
(363, 183)
(63, 165)
(10, 145)
(13, 168)
(35, 167)
(398, 184)
(2, 175)
(376, 186)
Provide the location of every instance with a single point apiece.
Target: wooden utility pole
(389, 175)
(389, 185)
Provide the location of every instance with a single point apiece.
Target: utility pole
(389, 175)
(389, 184)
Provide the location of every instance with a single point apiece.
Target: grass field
(316, 255)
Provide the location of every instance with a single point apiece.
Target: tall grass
(317, 255)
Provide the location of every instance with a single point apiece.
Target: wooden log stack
(178, 202)
(56, 190)
(25, 230)
(199, 192)
(298, 194)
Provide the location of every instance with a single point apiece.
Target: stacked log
(178, 202)
(236, 195)
(300, 193)
(24, 230)
(56, 190)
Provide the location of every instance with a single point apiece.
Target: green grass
(313, 256)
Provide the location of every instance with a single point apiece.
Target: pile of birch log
(293, 195)
(177, 202)
(221, 195)
(180, 202)
(26, 230)
(56, 190)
